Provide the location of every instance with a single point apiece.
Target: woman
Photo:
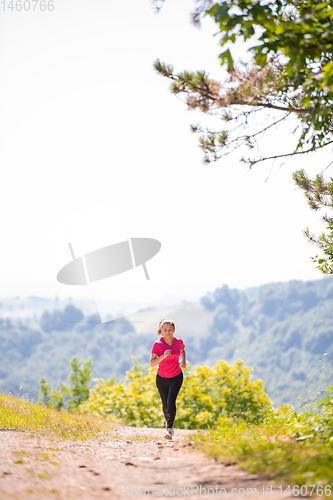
(169, 378)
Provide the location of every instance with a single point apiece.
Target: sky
(93, 144)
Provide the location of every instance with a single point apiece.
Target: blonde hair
(166, 321)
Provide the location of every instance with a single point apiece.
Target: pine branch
(310, 150)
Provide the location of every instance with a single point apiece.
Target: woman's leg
(162, 385)
(175, 385)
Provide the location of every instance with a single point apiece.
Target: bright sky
(85, 121)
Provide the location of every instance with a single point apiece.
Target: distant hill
(32, 307)
(281, 330)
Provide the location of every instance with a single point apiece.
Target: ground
(131, 463)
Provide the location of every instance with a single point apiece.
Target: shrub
(78, 392)
(207, 395)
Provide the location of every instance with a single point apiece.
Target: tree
(291, 72)
(80, 379)
(61, 320)
(319, 194)
(52, 398)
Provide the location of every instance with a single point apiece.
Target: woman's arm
(182, 363)
(154, 360)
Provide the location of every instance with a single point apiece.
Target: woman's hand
(182, 363)
(154, 360)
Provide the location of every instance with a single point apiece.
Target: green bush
(80, 379)
(207, 394)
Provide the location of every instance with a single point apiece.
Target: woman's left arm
(182, 363)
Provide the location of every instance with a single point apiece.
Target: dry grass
(16, 414)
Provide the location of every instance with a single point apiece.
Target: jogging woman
(169, 378)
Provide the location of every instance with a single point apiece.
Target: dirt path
(127, 465)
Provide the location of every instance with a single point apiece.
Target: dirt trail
(118, 468)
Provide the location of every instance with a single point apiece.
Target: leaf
(221, 12)
(226, 58)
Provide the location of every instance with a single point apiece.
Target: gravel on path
(131, 463)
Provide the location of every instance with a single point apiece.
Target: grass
(291, 448)
(17, 414)
(288, 447)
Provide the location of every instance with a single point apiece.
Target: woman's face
(167, 331)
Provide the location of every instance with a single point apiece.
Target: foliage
(22, 415)
(28, 353)
(291, 72)
(295, 448)
(319, 195)
(136, 403)
(52, 398)
(280, 329)
(206, 394)
(79, 392)
(80, 379)
(61, 320)
(326, 423)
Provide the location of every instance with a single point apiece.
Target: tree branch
(236, 101)
(253, 162)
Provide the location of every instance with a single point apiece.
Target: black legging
(168, 389)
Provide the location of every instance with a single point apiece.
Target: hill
(282, 330)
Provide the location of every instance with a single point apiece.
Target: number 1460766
(28, 5)
(306, 491)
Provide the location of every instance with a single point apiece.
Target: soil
(132, 462)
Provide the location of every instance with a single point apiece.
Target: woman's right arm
(154, 360)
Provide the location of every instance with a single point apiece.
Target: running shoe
(168, 433)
